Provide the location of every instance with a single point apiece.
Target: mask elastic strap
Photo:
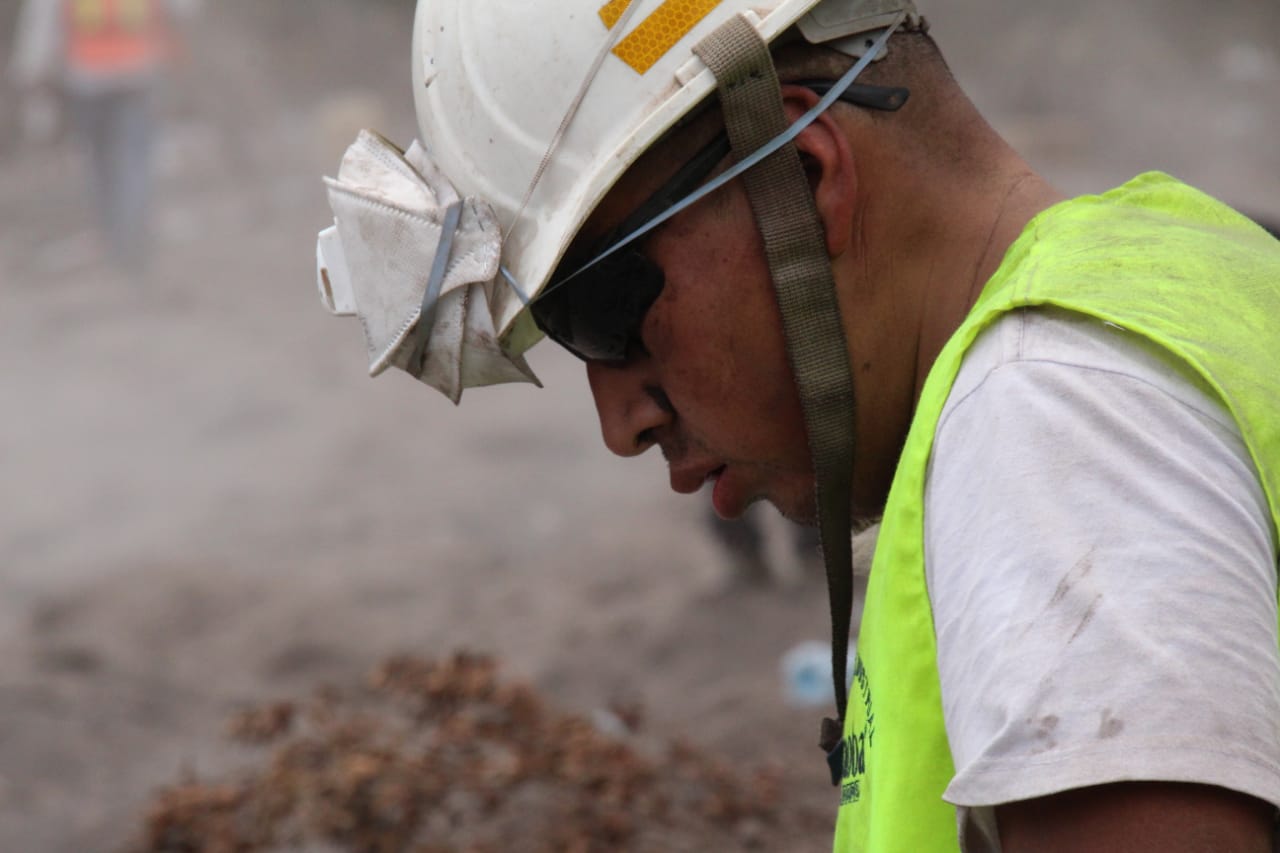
(615, 32)
(439, 266)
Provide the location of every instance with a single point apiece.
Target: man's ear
(828, 161)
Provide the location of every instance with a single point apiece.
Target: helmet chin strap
(795, 246)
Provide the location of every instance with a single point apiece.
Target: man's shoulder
(1074, 341)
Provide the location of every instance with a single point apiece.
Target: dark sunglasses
(596, 311)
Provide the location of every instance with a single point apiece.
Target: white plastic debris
(806, 674)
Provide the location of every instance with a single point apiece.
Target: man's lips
(687, 479)
(727, 497)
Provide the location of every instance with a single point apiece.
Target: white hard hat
(494, 81)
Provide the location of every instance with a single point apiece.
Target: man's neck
(922, 248)
(983, 229)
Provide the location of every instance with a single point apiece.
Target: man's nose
(631, 405)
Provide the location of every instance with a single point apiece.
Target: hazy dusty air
(207, 503)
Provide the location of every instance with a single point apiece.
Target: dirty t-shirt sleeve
(1102, 571)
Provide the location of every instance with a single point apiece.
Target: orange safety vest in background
(116, 36)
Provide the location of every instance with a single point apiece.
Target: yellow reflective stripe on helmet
(659, 32)
(610, 12)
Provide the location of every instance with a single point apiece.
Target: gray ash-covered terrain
(209, 506)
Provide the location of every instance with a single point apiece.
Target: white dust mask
(404, 246)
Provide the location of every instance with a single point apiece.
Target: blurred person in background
(762, 547)
(106, 58)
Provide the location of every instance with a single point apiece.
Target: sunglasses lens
(598, 313)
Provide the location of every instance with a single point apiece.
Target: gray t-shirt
(1102, 570)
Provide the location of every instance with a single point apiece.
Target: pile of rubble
(444, 756)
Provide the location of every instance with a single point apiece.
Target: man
(107, 57)
(1064, 409)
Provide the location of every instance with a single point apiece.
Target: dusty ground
(208, 504)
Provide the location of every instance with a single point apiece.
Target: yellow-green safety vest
(1155, 257)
